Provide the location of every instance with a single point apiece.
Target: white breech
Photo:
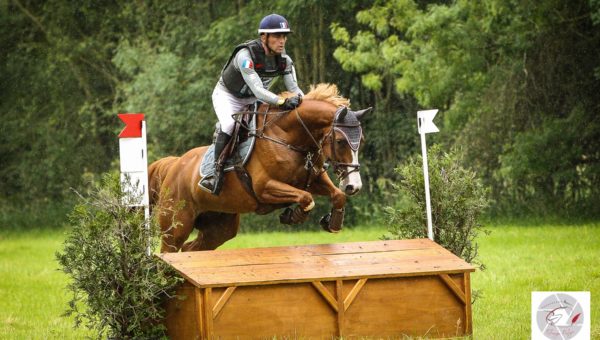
(225, 105)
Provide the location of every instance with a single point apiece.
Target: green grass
(519, 260)
(32, 289)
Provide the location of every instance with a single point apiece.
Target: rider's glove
(291, 103)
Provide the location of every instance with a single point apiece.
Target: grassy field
(519, 259)
(32, 289)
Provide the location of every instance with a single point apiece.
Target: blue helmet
(274, 23)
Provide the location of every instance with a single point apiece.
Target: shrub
(116, 288)
(458, 198)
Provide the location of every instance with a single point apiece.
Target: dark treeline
(516, 82)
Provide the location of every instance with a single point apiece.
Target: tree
(57, 84)
(497, 70)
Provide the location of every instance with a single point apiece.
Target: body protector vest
(232, 78)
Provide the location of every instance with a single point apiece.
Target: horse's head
(341, 149)
(331, 127)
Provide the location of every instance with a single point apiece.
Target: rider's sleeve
(289, 78)
(244, 63)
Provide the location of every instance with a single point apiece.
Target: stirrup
(203, 184)
(215, 185)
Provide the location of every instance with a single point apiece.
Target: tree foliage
(511, 77)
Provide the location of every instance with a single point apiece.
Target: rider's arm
(289, 78)
(244, 63)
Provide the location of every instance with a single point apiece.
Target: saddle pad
(240, 154)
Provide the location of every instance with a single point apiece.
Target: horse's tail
(157, 172)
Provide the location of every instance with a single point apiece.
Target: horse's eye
(339, 141)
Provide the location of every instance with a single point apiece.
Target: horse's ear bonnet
(360, 114)
(348, 124)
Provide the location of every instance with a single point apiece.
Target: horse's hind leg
(214, 229)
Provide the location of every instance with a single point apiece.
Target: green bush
(117, 290)
(458, 198)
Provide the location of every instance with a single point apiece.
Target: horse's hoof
(324, 222)
(286, 216)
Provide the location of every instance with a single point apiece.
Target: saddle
(237, 151)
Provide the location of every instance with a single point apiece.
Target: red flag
(133, 125)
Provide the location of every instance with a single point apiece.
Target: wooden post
(339, 290)
(468, 316)
(199, 314)
(208, 314)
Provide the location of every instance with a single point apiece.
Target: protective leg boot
(333, 221)
(214, 182)
(293, 216)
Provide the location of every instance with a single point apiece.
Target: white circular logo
(560, 316)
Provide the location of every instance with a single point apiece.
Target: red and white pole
(134, 164)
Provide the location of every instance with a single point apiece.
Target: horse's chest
(297, 178)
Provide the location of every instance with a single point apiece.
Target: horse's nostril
(349, 189)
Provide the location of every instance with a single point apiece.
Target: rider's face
(275, 41)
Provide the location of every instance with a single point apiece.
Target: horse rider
(246, 77)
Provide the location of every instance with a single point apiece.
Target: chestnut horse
(285, 167)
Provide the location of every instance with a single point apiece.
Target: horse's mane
(325, 92)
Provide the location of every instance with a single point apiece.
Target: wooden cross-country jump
(372, 289)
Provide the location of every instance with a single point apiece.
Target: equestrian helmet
(274, 23)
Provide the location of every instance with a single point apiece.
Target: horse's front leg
(323, 186)
(176, 227)
(213, 230)
(275, 192)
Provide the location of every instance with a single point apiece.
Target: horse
(286, 167)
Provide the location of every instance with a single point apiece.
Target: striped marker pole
(134, 164)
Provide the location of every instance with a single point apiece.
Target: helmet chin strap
(269, 47)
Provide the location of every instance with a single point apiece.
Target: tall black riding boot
(214, 182)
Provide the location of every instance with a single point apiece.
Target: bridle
(341, 169)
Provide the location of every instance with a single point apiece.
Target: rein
(340, 168)
(308, 153)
